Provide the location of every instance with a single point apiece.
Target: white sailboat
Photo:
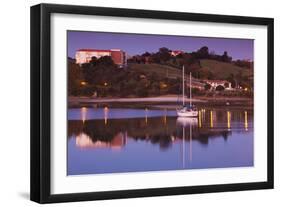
(187, 111)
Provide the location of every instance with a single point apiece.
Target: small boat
(187, 110)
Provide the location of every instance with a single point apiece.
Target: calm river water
(114, 140)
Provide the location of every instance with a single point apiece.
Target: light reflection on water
(108, 140)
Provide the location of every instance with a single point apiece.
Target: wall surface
(14, 110)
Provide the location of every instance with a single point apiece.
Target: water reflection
(84, 141)
(83, 114)
(184, 143)
(187, 122)
(228, 119)
(138, 129)
(211, 119)
(246, 120)
(106, 111)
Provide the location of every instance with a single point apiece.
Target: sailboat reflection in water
(186, 123)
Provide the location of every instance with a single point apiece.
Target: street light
(83, 83)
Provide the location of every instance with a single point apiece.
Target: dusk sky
(139, 43)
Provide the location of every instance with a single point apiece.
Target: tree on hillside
(244, 63)
(146, 57)
(146, 54)
(104, 60)
(75, 78)
(189, 59)
(194, 69)
(211, 75)
(232, 80)
(203, 53)
(225, 57)
(164, 54)
(203, 73)
(99, 70)
(238, 77)
(155, 58)
(93, 60)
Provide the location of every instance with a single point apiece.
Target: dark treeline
(102, 78)
(164, 56)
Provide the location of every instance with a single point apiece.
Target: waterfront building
(85, 56)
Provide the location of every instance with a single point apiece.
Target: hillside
(161, 70)
(105, 79)
(223, 70)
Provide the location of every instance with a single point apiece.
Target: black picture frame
(41, 96)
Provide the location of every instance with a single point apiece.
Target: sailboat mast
(190, 97)
(183, 85)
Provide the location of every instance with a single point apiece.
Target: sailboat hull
(187, 113)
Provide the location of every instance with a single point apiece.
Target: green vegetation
(160, 73)
(102, 78)
(223, 70)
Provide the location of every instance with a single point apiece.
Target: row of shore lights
(83, 83)
(202, 113)
(200, 117)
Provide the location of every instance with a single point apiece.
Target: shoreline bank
(203, 101)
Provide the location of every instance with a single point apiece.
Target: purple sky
(139, 43)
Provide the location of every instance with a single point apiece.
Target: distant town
(112, 73)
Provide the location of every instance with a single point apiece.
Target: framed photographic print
(133, 103)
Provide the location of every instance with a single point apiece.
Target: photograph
(129, 103)
(151, 102)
